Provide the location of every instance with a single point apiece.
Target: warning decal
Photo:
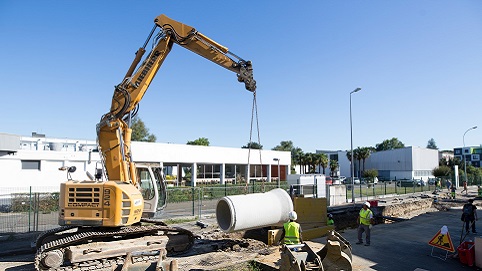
(442, 241)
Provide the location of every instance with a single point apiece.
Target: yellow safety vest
(365, 216)
(292, 233)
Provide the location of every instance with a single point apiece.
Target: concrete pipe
(244, 212)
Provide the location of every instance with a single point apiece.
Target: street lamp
(279, 177)
(351, 143)
(465, 159)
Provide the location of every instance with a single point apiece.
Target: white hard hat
(367, 204)
(293, 215)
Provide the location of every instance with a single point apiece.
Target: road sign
(442, 241)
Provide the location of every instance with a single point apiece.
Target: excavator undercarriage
(137, 247)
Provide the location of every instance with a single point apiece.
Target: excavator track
(62, 253)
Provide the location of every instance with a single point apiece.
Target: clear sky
(419, 64)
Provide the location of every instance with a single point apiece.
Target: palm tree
(307, 158)
(364, 154)
(333, 167)
(315, 161)
(348, 155)
(324, 161)
(297, 157)
(357, 157)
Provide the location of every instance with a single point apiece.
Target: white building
(34, 161)
(405, 163)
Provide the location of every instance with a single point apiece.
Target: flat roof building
(34, 161)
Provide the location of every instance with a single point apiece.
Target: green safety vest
(365, 216)
(330, 222)
(292, 233)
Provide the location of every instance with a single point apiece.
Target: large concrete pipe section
(244, 212)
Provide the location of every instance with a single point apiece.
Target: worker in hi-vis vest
(291, 231)
(365, 221)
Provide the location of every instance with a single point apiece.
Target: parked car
(369, 180)
(432, 181)
(348, 180)
(336, 180)
(329, 180)
(420, 182)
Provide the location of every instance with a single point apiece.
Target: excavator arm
(114, 134)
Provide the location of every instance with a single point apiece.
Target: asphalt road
(404, 245)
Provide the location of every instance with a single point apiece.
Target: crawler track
(57, 242)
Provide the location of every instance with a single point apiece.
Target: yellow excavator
(108, 220)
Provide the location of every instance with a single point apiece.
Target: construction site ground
(401, 245)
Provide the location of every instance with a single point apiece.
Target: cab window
(147, 187)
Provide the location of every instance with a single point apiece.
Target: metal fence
(30, 209)
(367, 191)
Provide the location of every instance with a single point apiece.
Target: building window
(31, 164)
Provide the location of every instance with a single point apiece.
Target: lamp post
(279, 177)
(351, 144)
(465, 158)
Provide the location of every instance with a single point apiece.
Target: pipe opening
(223, 215)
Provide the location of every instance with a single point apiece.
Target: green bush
(42, 202)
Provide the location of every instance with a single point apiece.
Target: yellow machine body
(89, 203)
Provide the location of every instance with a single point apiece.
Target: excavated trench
(397, 210)
(217, 250)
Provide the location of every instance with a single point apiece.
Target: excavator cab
(153, 188)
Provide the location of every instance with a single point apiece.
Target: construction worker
(469, 215)
(291, 231)
(452, 189)
(465, 188)
(330, 220)
(365, 221)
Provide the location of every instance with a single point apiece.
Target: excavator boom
(113, 132)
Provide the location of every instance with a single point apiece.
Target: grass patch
(180, 220)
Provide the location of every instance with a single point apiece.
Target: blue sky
(419, 64)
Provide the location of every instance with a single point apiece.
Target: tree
(441, 171)
(323, 161)
(202, 141)
(140, 132)
(284, 146)
(333, 167)
(348, 155)
(315, 160)
(370, 174)
(306, 161)
(296, 157)
(364, 154)
(431, 144)
(253, 145)
(390, 144)
(295, 151)
(357, 156)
